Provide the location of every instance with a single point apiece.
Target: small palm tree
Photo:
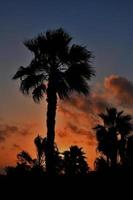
(57, 69)
(101, 164)
(25, 158)
(75, 162)
(112, 135)
(38, 141)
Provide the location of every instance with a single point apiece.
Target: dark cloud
(9, 130)
(91, 104)
(80, 113)
(116, 90)
(78, 130)
(121, 88)
(62, 133)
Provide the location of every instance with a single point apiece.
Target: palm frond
(22, 71)
(39, 65)
(31, 82)
(79, 54)
(59, 38)
(38, 93)
(63, 89)
(32, 44)
(61, 84)
(77, 76)
(81, 69)
(124, 124)
(24, 157)
(77, 83)
(110, 116)
(58, 43)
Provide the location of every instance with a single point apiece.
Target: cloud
(16, 147)
(80, 113)
(2, 147)
(78, 119)
(92, 104)
(121, 89)
(77, 129)
(115, 90)
(9, 130)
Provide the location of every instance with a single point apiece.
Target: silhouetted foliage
(57, 69)
(113, 134)
(101, 165)
(74, 162)
(39, 144)
(69, 163)
(22, 170)
(26, 165)
(129, 154)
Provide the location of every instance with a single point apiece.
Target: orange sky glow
(76, 118)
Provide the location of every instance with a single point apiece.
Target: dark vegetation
(114, 143)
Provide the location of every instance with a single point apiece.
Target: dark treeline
(114, 143)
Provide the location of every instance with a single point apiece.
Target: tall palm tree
(103, 142)
(57, 69)
(112, 135)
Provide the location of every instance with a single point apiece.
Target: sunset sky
(106, 28)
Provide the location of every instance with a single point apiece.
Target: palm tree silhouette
(57, 69)
(75, 162)
(129, 154)
(103, 141)
(38, 141)
(101, 164)
(112, 135)
(25, 158)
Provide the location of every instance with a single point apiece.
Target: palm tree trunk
(108, 161)
(51, 114)
(122, 150)
(114, 157)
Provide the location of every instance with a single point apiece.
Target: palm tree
(57, 69)
(38, 141)
(124, 127)
(75, 162)
(101, 164)
(103, 141)
(25, 158)
(130, 152)
(112, 135)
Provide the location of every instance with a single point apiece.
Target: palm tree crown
(54, 58)
(112, 135)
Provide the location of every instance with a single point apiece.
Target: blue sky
(104, 26)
